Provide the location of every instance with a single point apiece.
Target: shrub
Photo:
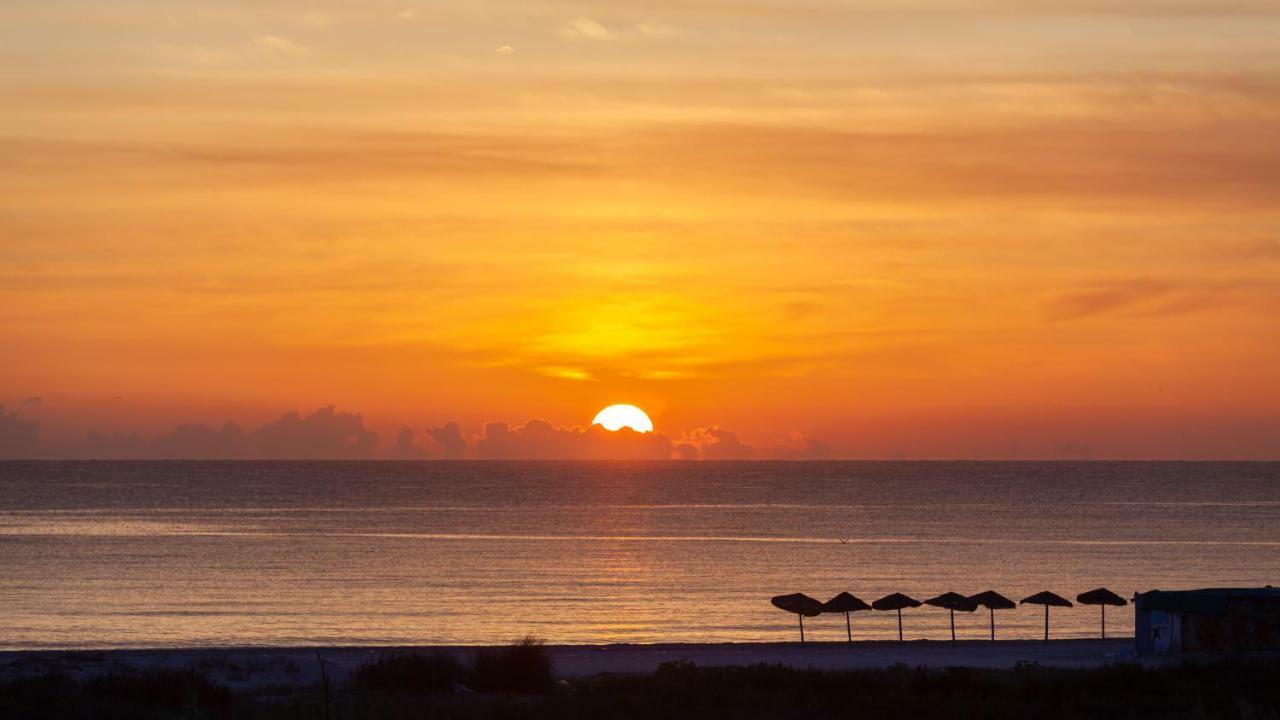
(54, 695)
(409, 674)
(188, 691)
(521, 667)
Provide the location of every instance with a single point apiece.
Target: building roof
(1206, 601)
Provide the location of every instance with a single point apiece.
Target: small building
(1212, 620)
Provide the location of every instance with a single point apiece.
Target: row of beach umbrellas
(805, 606)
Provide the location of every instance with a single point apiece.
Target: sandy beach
(242, 668)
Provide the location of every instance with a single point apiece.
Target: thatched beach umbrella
(896, 601)
(1102, 597)
(1046, 599)
(800, 604)
(952, 602)
(993, 601)
(845, 603)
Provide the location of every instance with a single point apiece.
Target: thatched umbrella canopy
(1046, 599)
(953, 601)
(845, 603)
(896, 601)
(993, 601)
(800, 604)
(1102, 597)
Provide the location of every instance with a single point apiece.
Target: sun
(616, 417)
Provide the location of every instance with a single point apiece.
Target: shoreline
(249, 667)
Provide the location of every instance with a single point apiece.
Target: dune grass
(522, 667)
(409, 674)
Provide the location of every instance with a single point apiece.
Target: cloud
(504, 50)
(246, 53)
(656, 30)
(800, 446)
(279, 45)
(449, 442)
(406, 446)
(1146, 297)
(586, 29)
(684, 451)
(113, 446)
(1105, 298)
(327, 434)
(324, 434)
(540, 440)
(18, 438)
(34, 400)
(714, 443)
(1224, 163)
(203, 442)
(565, 373)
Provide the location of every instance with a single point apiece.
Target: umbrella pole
(953, 627)
(802, 627)
(993, 623)
(899, 624)
(1104, 620)
(848, 628)
(1046, 622)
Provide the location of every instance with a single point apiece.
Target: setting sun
(616, 417)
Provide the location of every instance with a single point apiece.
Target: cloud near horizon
(325, 434)
(328, 434)
(18, 437)
(541, 440)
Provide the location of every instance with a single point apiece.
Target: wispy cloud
(586, 28)
(282, 46)
(1154, 298)
(1109, 297)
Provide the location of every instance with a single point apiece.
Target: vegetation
(515, 682)
(524, 667)
(409, 674)
(150, 695)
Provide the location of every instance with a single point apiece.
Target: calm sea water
(179, 554)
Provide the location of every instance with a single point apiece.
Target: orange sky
(910, 229)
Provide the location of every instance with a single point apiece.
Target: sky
(908, 229)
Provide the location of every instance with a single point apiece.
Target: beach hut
(1101, 597)
(993, 601)
(800, 604)
(1046, 599)
(896, 601)
(845, 603)
(952, 601)
(1210, 620)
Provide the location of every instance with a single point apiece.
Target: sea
(188, 554)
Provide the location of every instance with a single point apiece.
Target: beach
(246, 668)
